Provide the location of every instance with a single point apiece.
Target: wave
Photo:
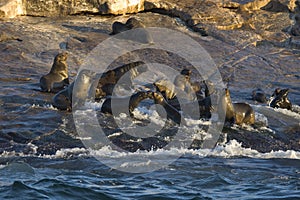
(229, 150)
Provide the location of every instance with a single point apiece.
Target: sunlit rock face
(49, 8)
(11, 8)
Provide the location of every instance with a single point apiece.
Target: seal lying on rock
(259, 96)
(131, 23)
(239, 113)
(279, 99)
(57, 78)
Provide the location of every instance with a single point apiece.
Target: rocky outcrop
(11, 8)
(49, 8)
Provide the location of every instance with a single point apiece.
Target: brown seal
(166, 88)
(122, 75)
(125, 104)
(244, 113)
(239, 113)
(64, 98)
(57, 78)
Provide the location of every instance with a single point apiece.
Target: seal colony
(174, 96)
(92, 86)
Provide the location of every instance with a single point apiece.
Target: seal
(131, 23)
(244, 114)
(172, 113)
(118, 27)
(259, 96)
(122, 76)
(125, 104)
(64, 98)
(239, 113)
(58, 77)
(279, 99)
(183, 83)
(166, 88)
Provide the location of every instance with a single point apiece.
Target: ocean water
(192, 176)
(56, 166)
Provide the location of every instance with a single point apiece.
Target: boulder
(10, 8)
(72, 7)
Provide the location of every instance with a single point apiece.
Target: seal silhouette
(131, 23)
(279, 99)
(57, 78)
(259, 96)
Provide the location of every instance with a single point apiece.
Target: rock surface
(55, 8)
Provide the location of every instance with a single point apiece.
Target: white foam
(68, 152)
(93, 105)
(288, 112)
(231, 149)
(2, 166)
(47, 106)
(228, 150)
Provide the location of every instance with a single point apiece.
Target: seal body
(64, 99)
(244, 113)
(124, 104)
(131, 23)
(228, 107)
(259, 96)
(57, 78)
(239, 113)
(172, 113)
(279, 99)
(122, 76)
(183, 83)
(166, 88)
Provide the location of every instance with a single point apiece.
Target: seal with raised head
(125, 104)
(58, 77)
(259, 96)
(239, 113)
(64, 98)
(279, 99)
